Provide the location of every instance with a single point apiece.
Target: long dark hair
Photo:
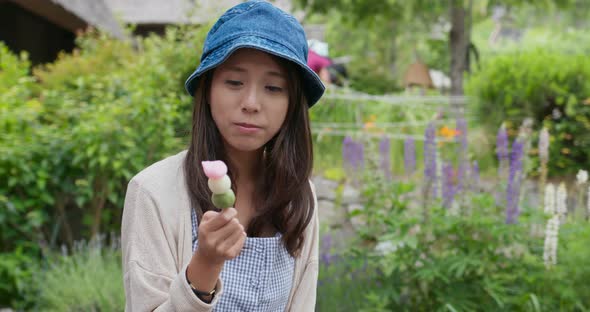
(284, 197)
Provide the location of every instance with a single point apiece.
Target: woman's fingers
(227, 246)
(222, 234)
(216, 220)
(236, 248)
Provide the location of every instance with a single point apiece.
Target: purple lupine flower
(409, 155)
(347, 151)
(385, 154)
(448, 187)
(502, 152)
(463, 151)
(358, 156)
(502, 147)
(513, 189)
(326, 250)
(352, 153)
(475, 175)
(430, 157)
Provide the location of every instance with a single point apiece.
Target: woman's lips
(247, 128)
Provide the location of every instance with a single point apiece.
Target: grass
(90, 279)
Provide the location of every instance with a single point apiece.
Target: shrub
(468, 260)
(73, 134)
(552, 88)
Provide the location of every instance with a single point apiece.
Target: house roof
(175, 11)
(74, 15)
(168, 12)
(96, 13)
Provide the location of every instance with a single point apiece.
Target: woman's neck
(247, 165)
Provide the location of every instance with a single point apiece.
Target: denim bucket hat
(262, 26)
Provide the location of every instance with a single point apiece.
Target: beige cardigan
(156, 242)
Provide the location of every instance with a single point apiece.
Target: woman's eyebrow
(276, 74)
(236, 68)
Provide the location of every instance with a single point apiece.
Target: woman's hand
(221, 236)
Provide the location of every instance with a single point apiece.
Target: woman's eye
(274, 89)
(234, 83)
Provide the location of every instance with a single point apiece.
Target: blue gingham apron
(259, 279)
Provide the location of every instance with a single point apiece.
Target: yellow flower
(448, 132)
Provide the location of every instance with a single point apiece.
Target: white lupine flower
(554, 239)
(544, 145)
(561, 200)
(551, 238)
(582, 176)
(550, 199)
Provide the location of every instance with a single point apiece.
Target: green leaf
(535, 302)
(450, 307)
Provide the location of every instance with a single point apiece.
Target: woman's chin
(246, 147)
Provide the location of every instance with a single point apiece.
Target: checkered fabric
(259, 279)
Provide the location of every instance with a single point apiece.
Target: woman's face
(249, 99)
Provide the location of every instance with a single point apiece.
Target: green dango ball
(224, 200)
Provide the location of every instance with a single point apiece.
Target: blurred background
(451, 147)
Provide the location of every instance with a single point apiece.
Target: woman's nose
(251, 101)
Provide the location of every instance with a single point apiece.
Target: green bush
(551, 88)
(74, 133)
(17, 269)
(469, 260)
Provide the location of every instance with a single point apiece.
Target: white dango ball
(220, 186)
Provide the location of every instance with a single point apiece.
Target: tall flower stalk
(463, 163)
(430, 157)
(551, 239)
(503, 159)
(352, 156)
(514, 180)
(543, 157)
(326, 256)
(502, 149)
(463, 154)
(448, 187)
(385, 153)
(561, 201)
(582, 182)
(409, 156)
(552, 228)
(550, 199)
(475, 176)
(430, 172)
(524, 136)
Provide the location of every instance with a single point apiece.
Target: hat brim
(312, 84)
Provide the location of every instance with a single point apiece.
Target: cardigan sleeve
(153, 279)
(304, 295)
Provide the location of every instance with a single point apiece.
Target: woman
(251, 93)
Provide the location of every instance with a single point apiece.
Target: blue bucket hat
(262, 26)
